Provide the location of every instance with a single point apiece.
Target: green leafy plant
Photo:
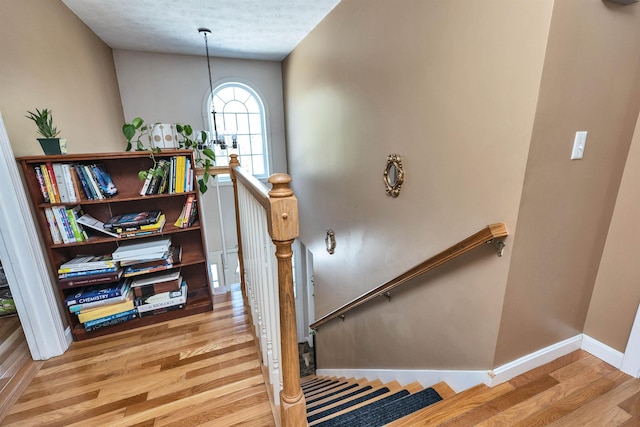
(136, 132)
(44, 122)
(203, 156)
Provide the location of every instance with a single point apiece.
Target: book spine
(172, 175)
(110, 317)
(77, 185)
(74, 226)
(140, 271)
(180, 174)
(165, 177)
(145, 185)
(68, 182)
(91, 181)
(161, 310)
(94, 296)
(87, 280)
(60, 224)
(54, 183)
(66, 223)
(41, 183)
(76, 308)
(79, 169)
(86, 273)
(48, 184)
(106, 183)
(53, 227)
(62, 187)
(162, 304)
(111, 322)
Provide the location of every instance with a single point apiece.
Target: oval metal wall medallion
(393, 175)
(330, 241)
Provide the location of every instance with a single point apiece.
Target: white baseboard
(602, 351)
(462, 380)
(457, 380)
(533, 360)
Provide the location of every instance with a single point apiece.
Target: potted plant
(203, 156)
(44, 122)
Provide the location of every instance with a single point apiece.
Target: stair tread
(385, 410)
(453, 406)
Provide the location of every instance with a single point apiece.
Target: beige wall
(590, 82)
(50, 59)
(617, 290)
(452, 87)
(171, 88)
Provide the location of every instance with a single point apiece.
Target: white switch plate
(578, 145)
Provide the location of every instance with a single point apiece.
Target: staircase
(337, 402)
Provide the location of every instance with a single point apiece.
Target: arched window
(240, 111)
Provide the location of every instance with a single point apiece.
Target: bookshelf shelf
(123, 169)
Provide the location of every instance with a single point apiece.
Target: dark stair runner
(384, 411)
(351, 403)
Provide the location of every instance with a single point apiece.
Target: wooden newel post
(284, 230)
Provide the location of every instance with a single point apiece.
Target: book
(185, 214)
(146, 249)
(54, 183)
(119, 318)
(53, 227)
(92, 183)
(88, 189)
(78, 231)
(148, 227)
(91, 323)
(77, 308)
(105, 183)
(132, 219)
(77, 274)
(180, 164)
(41, 184)
(67, 174)
(94, 224)
(161, 301)
(162, 310)
(90, 279)
(158, 175)
(62, 187)
(151, 279)
(172, 257)
(60, 214)
(98, 312)
(87, 262)
(145, 184)
(145, 291)
(96, 293)
(48, 184)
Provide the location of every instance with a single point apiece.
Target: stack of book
(136, 224)
(171, 175)
(159, 292)
(189, 213)
(145, 250)
(166, 262)
(88, 269)
(99, 306)
(65, 183)
(63, 224)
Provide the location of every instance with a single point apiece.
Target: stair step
(378, 394)
(385, 410)
(444, 390)
(327, 388)
(351, 393)
(452, 407)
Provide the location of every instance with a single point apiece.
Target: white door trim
(25, 265)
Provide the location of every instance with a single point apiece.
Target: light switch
(578, 145)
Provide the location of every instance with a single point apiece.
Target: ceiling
(248, 29)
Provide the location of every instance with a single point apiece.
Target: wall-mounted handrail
(489, 233)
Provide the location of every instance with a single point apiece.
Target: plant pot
(50, 145)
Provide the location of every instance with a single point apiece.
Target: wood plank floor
(204, 370)
(197, 371)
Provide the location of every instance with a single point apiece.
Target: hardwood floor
(198, 370)
(16, 366)
(204, 370)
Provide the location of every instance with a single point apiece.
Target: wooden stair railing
(489, 233)
(281, 209)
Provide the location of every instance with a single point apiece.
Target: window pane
(256, 144)
(242, 121)
(258, 165)
(252, 105)
(235, 107)
(255, 123)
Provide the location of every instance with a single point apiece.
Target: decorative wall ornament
(393, 175)
(330, 241)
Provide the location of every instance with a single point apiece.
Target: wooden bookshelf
(123, 168)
